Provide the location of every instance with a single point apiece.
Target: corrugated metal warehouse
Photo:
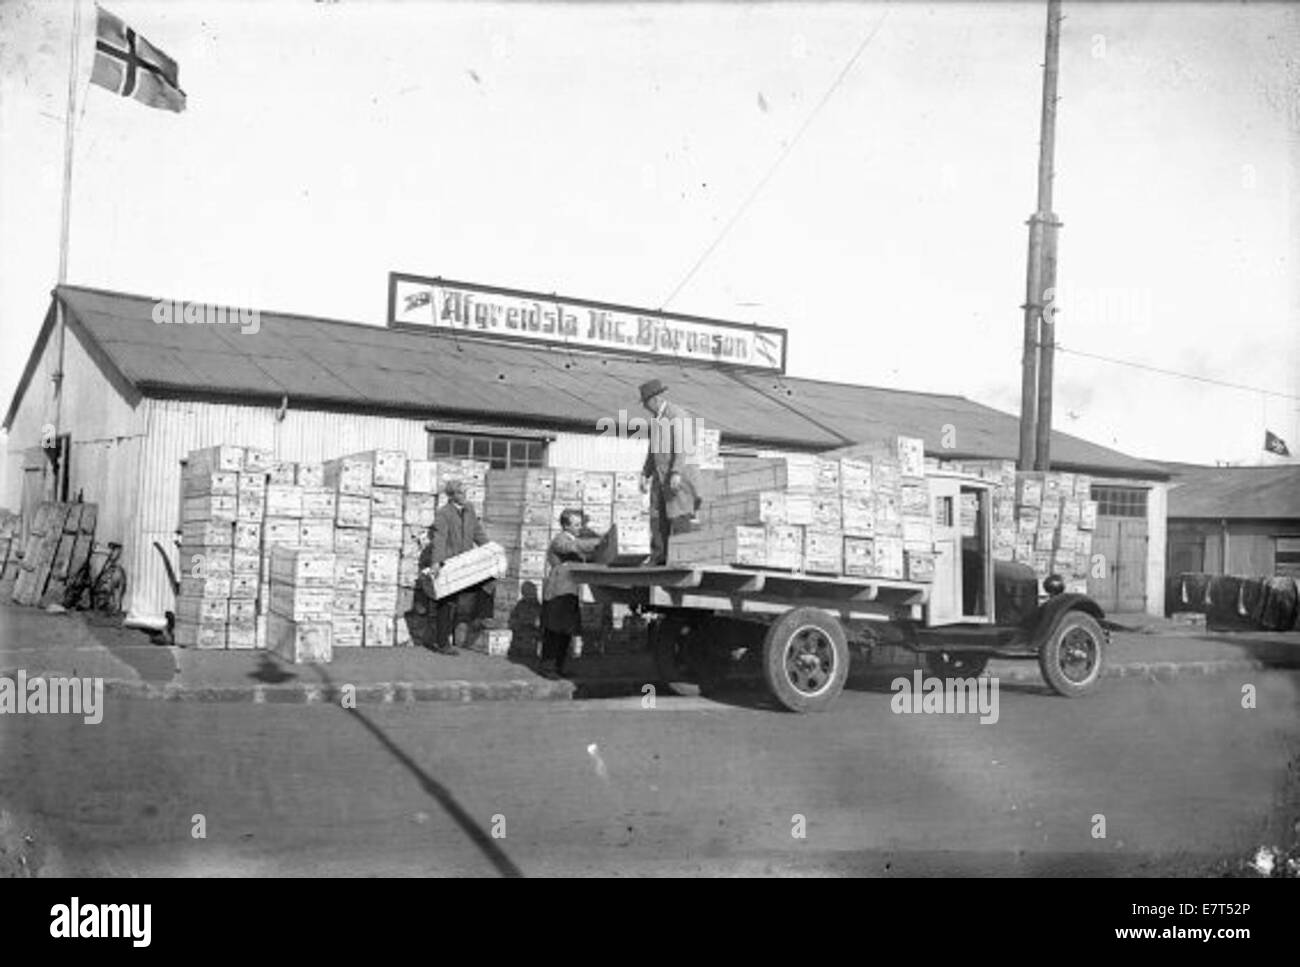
(1235, 520)
(139, 396)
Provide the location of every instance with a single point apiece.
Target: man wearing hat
(455, 530)
(670, 469)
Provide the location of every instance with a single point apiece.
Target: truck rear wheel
(1071, 657)
(806, 659)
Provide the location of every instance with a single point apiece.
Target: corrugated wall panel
(589, 451)
(175, 428)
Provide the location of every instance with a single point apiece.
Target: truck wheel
(955, 664)
(806, 659)
(1071, 657)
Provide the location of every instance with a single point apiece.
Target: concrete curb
(382, 693)
(545, 690)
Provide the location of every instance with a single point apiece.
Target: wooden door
(945, 595)
(1132, 577)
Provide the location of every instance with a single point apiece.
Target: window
(1120, 501)
(1286, 562)
(501, 452)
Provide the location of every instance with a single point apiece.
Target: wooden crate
(222, 509)
(491, 641)
(215, 459)
(795, 473)
(316, 534)
(470, 568)
(386, 532)
(284, 500)
(349, 476)
(258, 460)
(350, 542)
(536, 484)
(282, 472)
(299, 642)
(198, 560)
(302, 568)
(242, 634)
(349, 630)
(191, 635)
(310, 475)
(301, 604)
(722, 544)
(378, 630)
(388, 467)
(379, 599)
(352, 511)
(422, 476)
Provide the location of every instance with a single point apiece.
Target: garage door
(1120, 584)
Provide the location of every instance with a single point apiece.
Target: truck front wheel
(806, 659)
(1071, 657)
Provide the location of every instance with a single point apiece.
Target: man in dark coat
(671, 469)
(455, 530)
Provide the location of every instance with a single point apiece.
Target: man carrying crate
(455, 530)
(670, 468)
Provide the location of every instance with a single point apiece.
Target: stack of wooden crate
(300, 622)
(419, 505)
(210, 494)
(58, 545)
(1055, 520)
(866, 516)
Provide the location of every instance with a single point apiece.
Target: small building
(1243, 521)
(141, 390)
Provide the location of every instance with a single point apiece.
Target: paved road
(1184, 776)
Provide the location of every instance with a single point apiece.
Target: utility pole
(1039, 332)
(1049, 225)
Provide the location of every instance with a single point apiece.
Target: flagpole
(69, 132)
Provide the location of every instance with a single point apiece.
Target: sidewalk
(83, 645)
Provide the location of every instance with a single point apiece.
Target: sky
(716, 159)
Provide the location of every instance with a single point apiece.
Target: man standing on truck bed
(670, 469)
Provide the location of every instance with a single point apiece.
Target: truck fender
(1051, 612)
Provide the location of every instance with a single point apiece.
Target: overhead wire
(785, 152)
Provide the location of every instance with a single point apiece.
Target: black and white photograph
(702, 439)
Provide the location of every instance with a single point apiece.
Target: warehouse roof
(344, 365)
(1235, 493)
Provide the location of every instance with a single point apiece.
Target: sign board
(440, 305)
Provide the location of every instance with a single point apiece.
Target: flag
(129, 65)
(1275, 444)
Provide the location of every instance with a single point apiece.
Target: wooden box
(379, 629)
(221, 483)
(214, 459)
(299, 642)
(283, 500)
(351, 542)
(316, 535)
(350, 476)
(468, 569)
(422, 476)
(310, 475)
(389, 467)
(302, 568)
(301, 604)
(222, 509)
(352, 511)
(208, 532)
